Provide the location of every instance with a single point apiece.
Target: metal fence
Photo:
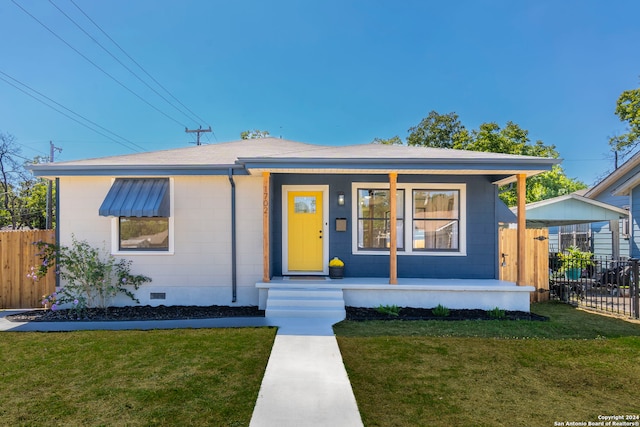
(600, 283)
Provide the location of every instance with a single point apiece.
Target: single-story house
(246, 222)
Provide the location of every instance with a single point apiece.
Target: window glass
(374, 219)
(150, 234)
(304, 204)
(436, 217)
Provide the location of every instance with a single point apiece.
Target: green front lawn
(196, 377)
(575, 367)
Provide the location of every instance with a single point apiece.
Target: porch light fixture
(340, 198)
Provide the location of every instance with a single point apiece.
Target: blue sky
(325, 72)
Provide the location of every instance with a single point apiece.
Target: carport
(574, 209)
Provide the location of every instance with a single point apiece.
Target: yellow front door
(304, 229)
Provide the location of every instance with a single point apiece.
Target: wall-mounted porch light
(340, 198)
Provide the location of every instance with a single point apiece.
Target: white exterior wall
(198, 272)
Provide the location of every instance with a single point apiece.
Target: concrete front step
(305, 302)
(306, 292)
(273, 302)
(306, 312)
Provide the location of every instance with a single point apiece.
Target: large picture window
(436, 219)
(150, 234)
(374, 222)
(431, 219)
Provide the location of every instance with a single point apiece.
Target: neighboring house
(230, 223)
(621, 188)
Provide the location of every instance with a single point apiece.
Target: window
(577, 235)
(374, 221)
(436, 219)
(141, 212)
(431, 219)
(143, 233)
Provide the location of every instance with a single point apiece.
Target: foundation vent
(158, 295)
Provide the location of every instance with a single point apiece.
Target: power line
(71, 111)
(97, 66)
(68, 116)
(139, 66)
(120, 62)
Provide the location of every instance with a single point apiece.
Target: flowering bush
(92, 278)
(336, 262)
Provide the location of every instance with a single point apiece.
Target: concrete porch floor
(484, 294)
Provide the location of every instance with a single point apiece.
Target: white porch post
(266, 277)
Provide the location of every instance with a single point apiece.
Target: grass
(574, 367)
(191, 377)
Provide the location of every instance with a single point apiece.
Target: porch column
(266, 277)
(393, 238)
(522, 228)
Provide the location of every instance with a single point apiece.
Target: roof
(570, 209)
(254, 156)
(610, 181)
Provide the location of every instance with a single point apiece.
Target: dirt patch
(409, 313)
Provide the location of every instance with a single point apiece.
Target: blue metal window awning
(137, 197)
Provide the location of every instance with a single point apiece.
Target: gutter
(234, 284)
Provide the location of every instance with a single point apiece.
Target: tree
(543, 186)
(446, 131)
(394, 140)
(254, 134)
(511, 139)
(439, 131)
(12, 174)
(22, 198)
(628, 110)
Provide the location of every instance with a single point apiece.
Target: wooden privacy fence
(537, 259)
(17, 256)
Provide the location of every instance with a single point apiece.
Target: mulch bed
(215, 311)
(145, 312)
(409, 313)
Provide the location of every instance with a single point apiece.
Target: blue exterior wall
(634, 227)
(482, 229)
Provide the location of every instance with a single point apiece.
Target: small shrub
(496, 313)
(389, 310)
(440, 311)
(92, 278)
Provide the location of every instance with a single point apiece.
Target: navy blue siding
(482, 229)
(635, 229)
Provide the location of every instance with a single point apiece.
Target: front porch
(483, 294)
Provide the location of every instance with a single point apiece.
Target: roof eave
(52, 170)
(610, 179)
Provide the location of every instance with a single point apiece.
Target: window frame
(115, 230)
(408, 217)
(413, 219)
(385, 219)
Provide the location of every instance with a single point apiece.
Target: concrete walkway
(305, 383)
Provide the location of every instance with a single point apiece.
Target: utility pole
(198, 132)
(49, 223)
